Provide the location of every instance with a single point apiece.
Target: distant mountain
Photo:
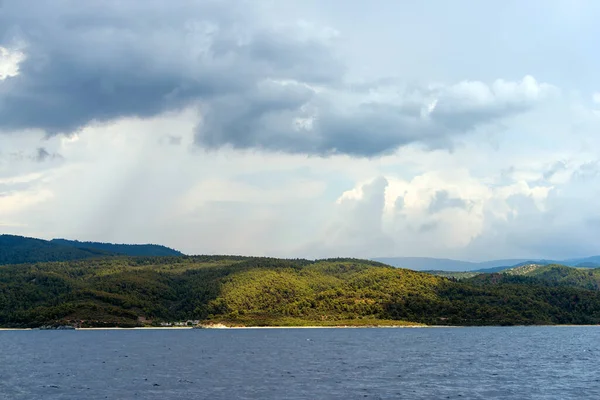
(125, 249)
(502, 263)
(444, 264)
(588, 265)
(21, 250)
(427, 263)
(587, 262)
(448, 265)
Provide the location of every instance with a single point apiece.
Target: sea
(330, 363)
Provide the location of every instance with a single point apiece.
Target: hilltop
(125, 249)
(20, 250)
(548, 275)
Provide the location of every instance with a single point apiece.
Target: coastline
(233, 327)
(261, 327)
(222, 326)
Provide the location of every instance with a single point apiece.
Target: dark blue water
(437, 363)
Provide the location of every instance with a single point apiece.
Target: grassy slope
(262, 291)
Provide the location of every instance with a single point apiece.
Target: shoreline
(229, 327)
(299, 327)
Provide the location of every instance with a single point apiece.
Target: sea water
(366, 363)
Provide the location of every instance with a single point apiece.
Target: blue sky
(304, 128)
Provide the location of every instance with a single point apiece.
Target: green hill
(534, 274)
(553, 275)
(19, 250)
(125, 249)
(22, 250)
(128, 291)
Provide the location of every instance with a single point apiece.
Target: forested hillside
(130, 291)
(19, 250)
(546, 275)
(22, 250)
(125, 249)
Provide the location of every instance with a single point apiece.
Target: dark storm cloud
(97, 61)
(359, 127)
(258, 86)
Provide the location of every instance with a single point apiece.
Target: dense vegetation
(23, 250)
(124, 249)
(130, 291)
(454, 274)
(546, 275)
(19, 250)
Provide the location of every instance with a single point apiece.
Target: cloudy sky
(304, 128)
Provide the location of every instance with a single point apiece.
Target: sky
(304, 128)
